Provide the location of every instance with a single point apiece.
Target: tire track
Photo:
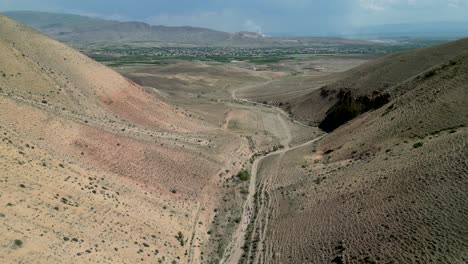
(235, 250)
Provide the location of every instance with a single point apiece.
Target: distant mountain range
(82, 29)
(433, 29)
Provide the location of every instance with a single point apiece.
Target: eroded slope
(93, 168)
(371, 85)
(386, 187)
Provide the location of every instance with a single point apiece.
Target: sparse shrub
(243, 175)
(430, 74)
(18, 243)
(324, 92)
(418, 145)
(2, 215)
(180, 238)
(328, 151)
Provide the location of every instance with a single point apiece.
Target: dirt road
(235, 251)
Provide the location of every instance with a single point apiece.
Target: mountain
(386, 186)
(94, 168)
(81, 29)
(440, 29)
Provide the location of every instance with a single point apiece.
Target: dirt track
(235, 250)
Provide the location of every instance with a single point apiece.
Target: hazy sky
(306, 17)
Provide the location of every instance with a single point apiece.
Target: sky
(277, 17)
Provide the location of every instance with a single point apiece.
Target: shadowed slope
(386, 187)
(370, 86)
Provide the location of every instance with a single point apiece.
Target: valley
(211, 90)
(340, 156)
(295, 207)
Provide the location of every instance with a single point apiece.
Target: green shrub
(18, 242)
(180, 238)
(418, 145)
(430, 73)
(243, 175)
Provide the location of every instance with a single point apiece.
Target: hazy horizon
(276, 17)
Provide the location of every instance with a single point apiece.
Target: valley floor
(358, 195)
(227, 96)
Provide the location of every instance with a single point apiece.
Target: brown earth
(363, 88)
(387, 187)
(95, 169)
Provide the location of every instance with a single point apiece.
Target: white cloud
(381, 5)
(252, 26)
(373, 5)
(457, 3)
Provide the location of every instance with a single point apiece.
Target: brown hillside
(371, 85)
(388, 187)
(92, 168)
(57, 78)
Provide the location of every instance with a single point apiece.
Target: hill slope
(387, 187)
(93, 168)
(370, 85)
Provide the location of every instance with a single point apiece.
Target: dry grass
(95, 169)
(375, 78)
(369, 192)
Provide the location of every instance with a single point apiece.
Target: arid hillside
(92, 168)
(191, 162)
(371, 85)
(387, 187)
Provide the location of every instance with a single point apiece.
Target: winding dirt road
(235, 251)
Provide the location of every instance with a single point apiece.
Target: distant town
(129, 54)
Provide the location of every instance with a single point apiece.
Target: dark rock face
(348, 107)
